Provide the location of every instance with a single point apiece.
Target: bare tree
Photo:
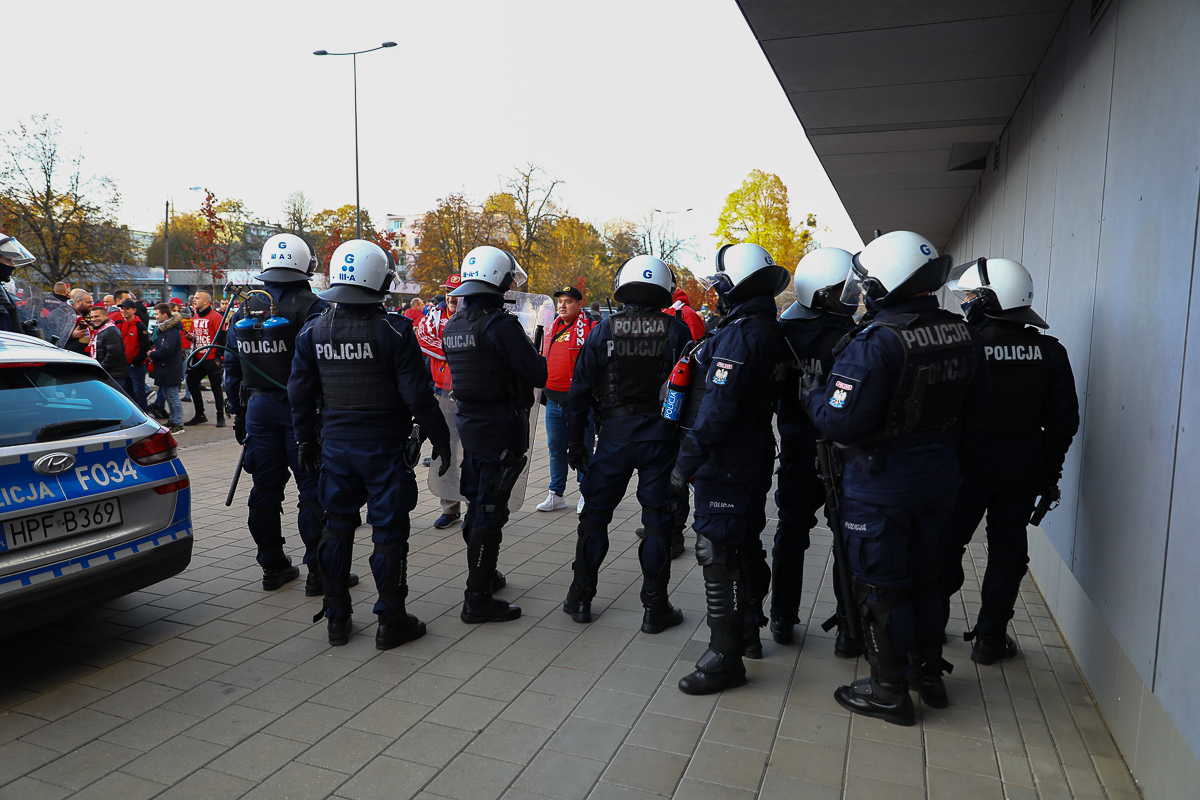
(525, 211)
(298, 213)
(66, 219)
(656, 236)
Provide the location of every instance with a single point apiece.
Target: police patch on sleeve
(842, 387)
(721, 373)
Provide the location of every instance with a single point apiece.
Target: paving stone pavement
(205, 686)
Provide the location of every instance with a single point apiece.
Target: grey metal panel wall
(1151, 260)
(1145, 260)
(1046, 92)
(1076, 239)
(1106, 147)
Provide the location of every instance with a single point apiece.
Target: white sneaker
(553, 502)
(579, 505)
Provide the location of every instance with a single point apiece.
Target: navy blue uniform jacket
(398, 345)
(488, 429)
(1029, 459)
(732, 439)
(589, 375)
(796, 430)
(902, 469)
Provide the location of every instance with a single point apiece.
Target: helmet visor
(519, 277)
(13, 250)
(854, 295)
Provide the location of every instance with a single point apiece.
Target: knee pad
(709, 552)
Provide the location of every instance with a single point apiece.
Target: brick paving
(205, 686)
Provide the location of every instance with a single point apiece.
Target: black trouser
(210, 368)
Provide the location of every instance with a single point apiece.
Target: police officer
(261, 342)
(730, 453)
(1013, 451)
(496, 370)
(621, 370)
(365, 367)
(893, 398)
(12, 255)
(812, 325)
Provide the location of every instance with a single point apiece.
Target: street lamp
(354, 57)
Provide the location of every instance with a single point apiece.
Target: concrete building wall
(1095, 187)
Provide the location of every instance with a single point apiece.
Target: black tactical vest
(939, 362)
(1020, 371)
(816, 361)
(271, 349)
(356, 375)
(11, 307)
(480, 375)
(639, 360)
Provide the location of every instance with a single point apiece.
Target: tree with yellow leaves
(757, 212)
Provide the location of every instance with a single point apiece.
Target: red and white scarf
(91, 346)
(575, 338)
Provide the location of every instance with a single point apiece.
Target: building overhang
(903, 102)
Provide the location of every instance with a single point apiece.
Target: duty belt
(629, 409)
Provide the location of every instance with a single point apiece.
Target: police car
(94, 502)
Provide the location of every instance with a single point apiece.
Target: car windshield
(45, 402)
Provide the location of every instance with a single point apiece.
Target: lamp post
(354, 57)
(167, 240)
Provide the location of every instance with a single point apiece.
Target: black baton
(237, 474)
(841, 570)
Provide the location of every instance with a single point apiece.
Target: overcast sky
(634, 104)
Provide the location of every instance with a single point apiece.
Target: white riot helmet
(893, 268)
(744, 270)
(644, 281)
(14, 251)
(820, 279)
(489, 270)
(360, 273)
(1003, 290)
(287, 258)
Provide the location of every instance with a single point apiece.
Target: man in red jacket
(206, 330)
(137, 346)
(689, 316)
(561, 349)
(429, 337)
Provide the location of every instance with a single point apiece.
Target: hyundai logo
(54, 463)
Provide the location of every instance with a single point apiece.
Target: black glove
(239, 428)
(30, 327)
(577, 457)
(679, 483)
(310, 457)
(811, 380)
(441, 452)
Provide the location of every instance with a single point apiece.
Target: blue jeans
(174, 404)
(556, 439)
(134, 384)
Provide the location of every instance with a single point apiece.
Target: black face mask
(6, 272)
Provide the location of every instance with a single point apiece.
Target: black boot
(787, 580)
(721, 665)
(782, 630)
(988, 648)
(220, 420)
(478, 603)
(276, 577)
(752, 641)
(498, 580)
(927, 680)
(315, 587)
(389, 565)
(339, 631)
(482, 607)
(396, 629)
(844, 646)
(889, 702)
(579, 603)
(659, 614)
